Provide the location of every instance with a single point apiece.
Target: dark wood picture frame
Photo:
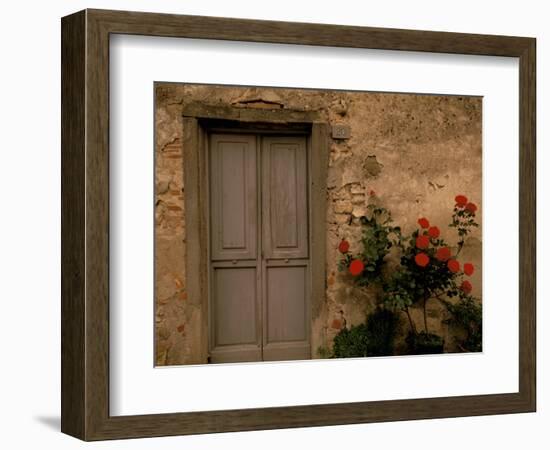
(85, 224)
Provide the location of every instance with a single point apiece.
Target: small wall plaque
(341, 132)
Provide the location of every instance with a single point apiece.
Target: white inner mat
(136, 387)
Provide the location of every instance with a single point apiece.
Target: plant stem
(425, 315)
(413, 328)
(460, 245)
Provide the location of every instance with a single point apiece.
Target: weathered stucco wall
(411, 153)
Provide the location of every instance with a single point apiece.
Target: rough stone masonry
(413, 153)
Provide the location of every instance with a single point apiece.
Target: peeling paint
(372, 167)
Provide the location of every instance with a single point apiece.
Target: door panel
(235, 334)
(233, 196)
(284, 197)
(259, 269)
(286, 309)
(235, 306)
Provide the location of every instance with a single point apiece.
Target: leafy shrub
(352, 343)
(467, 314)
(425, 343)
(378, 238)
(324, 352)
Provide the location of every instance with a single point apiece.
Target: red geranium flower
(468, 269)
(471, 207)
(422, 241)
(461, 200)
(422, 259)
(434, 232)
(423, 222)
(356, 267)
(453, 265)
(344, 246)
(466, 286)
(443, 253)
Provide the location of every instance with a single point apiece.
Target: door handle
(277, 260)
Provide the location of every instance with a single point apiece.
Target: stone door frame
(198, 120)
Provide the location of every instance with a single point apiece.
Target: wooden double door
(259, 273)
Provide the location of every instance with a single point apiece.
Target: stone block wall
(411, 153)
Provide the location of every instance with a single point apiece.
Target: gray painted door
(259, 274)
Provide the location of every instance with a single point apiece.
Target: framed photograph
(273, 225)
